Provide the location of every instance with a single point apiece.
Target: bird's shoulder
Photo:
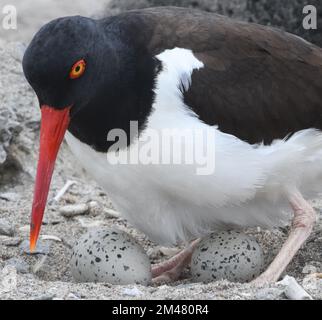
(169, 27)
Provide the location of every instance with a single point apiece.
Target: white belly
(169, 203)
(172, 204)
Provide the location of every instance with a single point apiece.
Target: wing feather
(258, 83)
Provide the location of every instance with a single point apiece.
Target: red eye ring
(78, 69)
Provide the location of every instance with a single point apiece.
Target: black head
(90, 77)
(53, 52)
(115, 88)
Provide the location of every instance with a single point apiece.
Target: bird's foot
(169, 276)
(171, 270)
(304, 218)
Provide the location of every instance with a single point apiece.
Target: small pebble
(5, 228)
(10, 196)
(90, 223)
(10, 241)
(20, 265)
(72, 296)
(49, 237)
(293, 290)
(71, 211)
(132, 292)
(112, 213)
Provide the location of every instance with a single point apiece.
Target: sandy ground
(47, 275)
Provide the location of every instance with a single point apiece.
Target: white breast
(172, 203)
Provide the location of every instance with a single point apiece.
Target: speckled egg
(229, 255)
(112, 256)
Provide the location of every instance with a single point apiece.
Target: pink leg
(171, 270)
(304, 219)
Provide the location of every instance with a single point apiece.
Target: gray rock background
(285, 14)
(18, 118)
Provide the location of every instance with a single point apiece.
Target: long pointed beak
(54, 124)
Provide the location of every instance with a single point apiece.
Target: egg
(230, 255)
(112, 256)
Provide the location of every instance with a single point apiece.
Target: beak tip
(32, 243)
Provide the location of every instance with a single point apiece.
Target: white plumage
(171, 203)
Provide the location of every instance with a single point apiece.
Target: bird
(251, 93)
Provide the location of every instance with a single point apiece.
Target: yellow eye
(78, 69)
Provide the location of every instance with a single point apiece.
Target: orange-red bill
(54, 124)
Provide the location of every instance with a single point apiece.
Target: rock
(20, 265)
(5, 228)
(41, 248)
(89, 223)
(71, 211)
(9, 196)
(72, 296)
(10, 241)
(293, 290)
(132, 292)
(110, 213)
(49, 237)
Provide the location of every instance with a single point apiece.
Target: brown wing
(258, 83)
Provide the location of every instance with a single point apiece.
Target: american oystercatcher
(258, 90)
